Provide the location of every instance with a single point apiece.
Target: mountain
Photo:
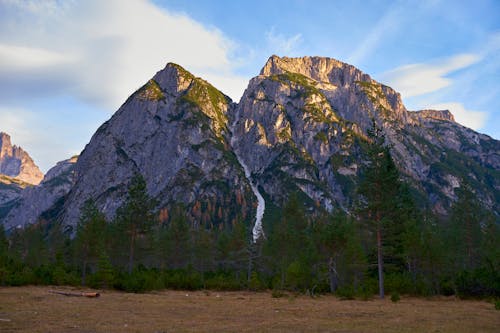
(17, 172)
(301, 126)
(36, 202)
(303, 123)
(16, 163)
(175, 132)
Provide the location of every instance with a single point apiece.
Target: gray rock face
(35, 200)
(16, 163)
(174, 131)
(301, 126)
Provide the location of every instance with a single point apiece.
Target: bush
(276, 293)
(497, 304)
(255, 283)
(345, 293)
(395, 297)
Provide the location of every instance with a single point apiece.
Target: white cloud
(422, 78)
(281, 44)
(101, 51)
(469, 118)
(16, 58)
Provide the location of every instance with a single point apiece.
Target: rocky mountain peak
(320, 69)
(437, 114)
(16, 163)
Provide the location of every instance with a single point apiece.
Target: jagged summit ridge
(16, 163)
(436, 114)
(300, 127)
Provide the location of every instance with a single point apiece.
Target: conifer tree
(90, 233)
(379, 188)
(135, 216)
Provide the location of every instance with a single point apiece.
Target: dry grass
(34, 309)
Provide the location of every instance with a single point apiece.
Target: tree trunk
(332, 274)
(84, 271)
(131, 253)
(380, 262)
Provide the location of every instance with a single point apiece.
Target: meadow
(36, 309)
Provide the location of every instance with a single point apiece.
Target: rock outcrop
(173, 131)
(301, 126)
(16, 163)
(35, 201)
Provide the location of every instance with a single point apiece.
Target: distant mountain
(17, 172)
(16, 163)
(301, 126)
(42, 201)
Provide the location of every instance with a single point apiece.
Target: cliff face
(34, 201)
(301, 126)
(174, 131)
(16, 163)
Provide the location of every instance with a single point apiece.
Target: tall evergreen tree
(466, 218)
(135, 216)
(90, 234)
(379, 188)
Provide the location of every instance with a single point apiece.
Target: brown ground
(34, 309)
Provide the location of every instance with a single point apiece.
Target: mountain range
(300, 127)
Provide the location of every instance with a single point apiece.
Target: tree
(135, 216)
(339, 250)
(379, 189)
(90, 233)
(466, 217)
(289, 242)
(174, 240)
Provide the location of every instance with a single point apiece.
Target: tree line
(387, 245)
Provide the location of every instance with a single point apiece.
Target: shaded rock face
(301, 126)
(16, 163)
(173, 131)
(35, 202)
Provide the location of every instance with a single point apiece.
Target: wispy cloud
(387, 23)
(422, 78)
(101, 51)
(281, 44)
(469, 118)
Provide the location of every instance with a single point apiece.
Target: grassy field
(34, 309)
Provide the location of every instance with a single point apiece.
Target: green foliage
(395, 297)
(135, 217)
(497, 304)
(151, 91)
(90, 236)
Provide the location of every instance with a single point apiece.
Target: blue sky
(66, 66)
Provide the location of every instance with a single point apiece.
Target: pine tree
(379, 188)
(90, 233)
(135, 216)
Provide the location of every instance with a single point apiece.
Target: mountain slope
(302, 124)
(16, 163)
(35, 202)
(174, 131)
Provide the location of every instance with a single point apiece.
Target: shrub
(276, 293)
(395, 297)
(345, 293)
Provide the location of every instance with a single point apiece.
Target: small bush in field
(395, 297)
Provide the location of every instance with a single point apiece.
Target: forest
(388, 245)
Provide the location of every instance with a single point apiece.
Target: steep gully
(257, 230)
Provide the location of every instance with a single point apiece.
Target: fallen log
(81, 294)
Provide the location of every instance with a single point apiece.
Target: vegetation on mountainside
(142, 249)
